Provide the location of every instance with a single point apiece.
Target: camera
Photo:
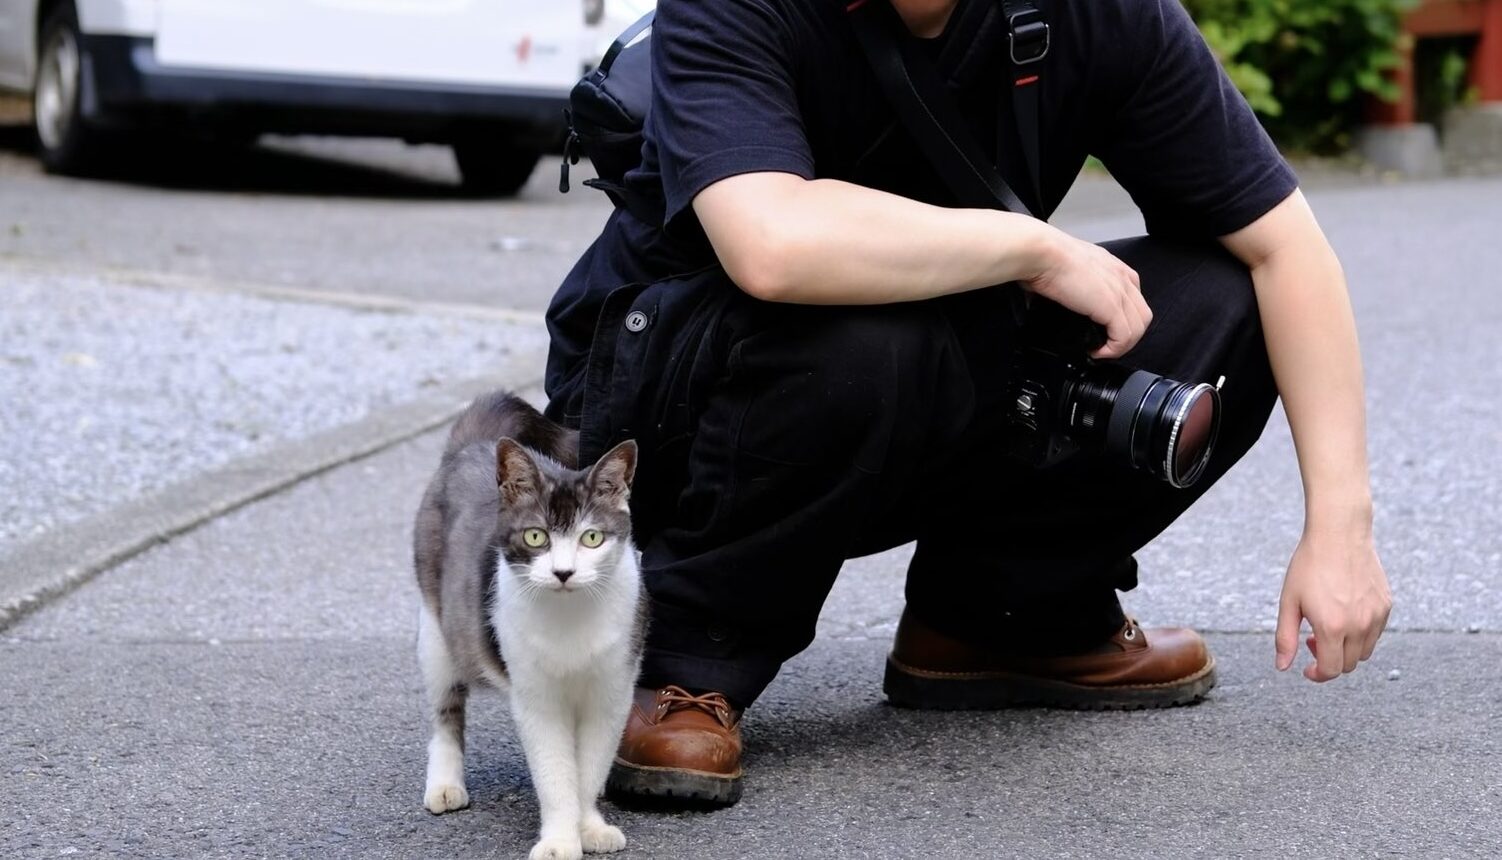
(1060, 401)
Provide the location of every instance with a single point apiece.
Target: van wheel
(494, 168)
(67, 143)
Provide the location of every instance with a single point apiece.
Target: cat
(531, 584)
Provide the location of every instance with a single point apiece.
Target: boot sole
(907, 687)
(675, 784)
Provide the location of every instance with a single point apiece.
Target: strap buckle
(1029, 35)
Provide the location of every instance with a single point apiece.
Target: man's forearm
(831, 242)
(1311, 342)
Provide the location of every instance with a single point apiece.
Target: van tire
(66, 141)
(494, 168)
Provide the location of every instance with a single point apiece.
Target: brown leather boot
(1135, 668)
(678, 745)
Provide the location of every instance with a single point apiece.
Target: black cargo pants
(778, 441)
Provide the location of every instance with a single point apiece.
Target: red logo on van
(524, 50)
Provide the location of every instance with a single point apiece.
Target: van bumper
(124, 82)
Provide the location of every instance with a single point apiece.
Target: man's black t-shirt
(744, 86)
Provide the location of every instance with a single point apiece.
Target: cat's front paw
(557, 848)
(445, 797)
(601, 838)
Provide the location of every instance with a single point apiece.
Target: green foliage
(1305, 65)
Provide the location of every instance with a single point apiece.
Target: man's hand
(1090, 281)
(1336, 581)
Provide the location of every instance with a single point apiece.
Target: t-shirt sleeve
(724, 101)
(1184, 143)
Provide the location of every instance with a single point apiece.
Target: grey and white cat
(530, 583)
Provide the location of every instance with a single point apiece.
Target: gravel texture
(108, 392)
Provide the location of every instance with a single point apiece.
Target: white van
(488, 77)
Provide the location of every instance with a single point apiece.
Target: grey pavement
(373, 217)
(242, 691)
(248, 688)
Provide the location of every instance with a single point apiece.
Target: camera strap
(1028, 39)
(923, 102)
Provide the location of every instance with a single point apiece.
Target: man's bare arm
(1335, 578)
(786, 239)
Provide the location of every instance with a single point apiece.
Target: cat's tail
(501, 413)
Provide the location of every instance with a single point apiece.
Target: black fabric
(607, 114)
(922, 102)
(781, 85)
(832, 433)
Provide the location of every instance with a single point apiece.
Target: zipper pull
(570, 152)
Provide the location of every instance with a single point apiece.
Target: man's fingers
(1329, 654)
(1118, 337)
(1374, 635)
(1135, 323)
(1125, 325)
(1145, 311)
(1286, 641)
(1353, 656)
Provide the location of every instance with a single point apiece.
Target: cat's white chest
(557, 635)
(556, 644)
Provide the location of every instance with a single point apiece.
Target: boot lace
(673, 698)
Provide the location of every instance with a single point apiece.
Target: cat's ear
(611, 477)
(515, 471)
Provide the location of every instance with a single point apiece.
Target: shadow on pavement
(17, 139)
(193, 163)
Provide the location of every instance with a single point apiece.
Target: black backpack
(607, 114)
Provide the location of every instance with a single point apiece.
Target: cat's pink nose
(563, 575)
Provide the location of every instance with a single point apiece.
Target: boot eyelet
(1131, 633)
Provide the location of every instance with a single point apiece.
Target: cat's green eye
(592, 538)
(535, 538)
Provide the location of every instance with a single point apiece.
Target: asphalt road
(372, 217)
(248, 689)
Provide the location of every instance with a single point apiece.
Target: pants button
(636, 321)
(718, 634)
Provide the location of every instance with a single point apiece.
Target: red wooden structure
(1437, 18)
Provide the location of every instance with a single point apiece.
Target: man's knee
(836, 382)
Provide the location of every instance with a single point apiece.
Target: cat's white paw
(557, 848)
(445, 797)
(601, 838)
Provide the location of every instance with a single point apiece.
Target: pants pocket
(657, 355)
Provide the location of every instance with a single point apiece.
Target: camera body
(1060, 401)
(1037, 402)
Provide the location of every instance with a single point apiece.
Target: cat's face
(561, 530)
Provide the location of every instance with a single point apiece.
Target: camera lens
(1156, 424)
(1197, 422)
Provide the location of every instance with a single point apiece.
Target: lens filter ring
(1200, 434)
